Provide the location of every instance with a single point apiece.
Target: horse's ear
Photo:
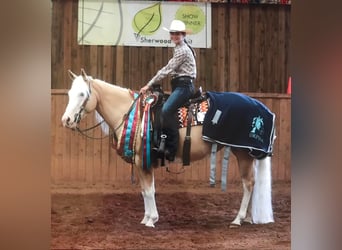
(71, 75)
(84, 75)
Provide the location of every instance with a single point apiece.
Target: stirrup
(162, 143)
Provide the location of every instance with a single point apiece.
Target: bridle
(78, 116)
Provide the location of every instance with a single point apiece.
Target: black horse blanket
(237, 120)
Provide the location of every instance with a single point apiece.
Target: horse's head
(80, 100)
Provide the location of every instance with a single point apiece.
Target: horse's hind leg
(151, 215)
(245, 162)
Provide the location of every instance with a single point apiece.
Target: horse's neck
(112, 102)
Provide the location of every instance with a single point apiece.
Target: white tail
(262, 211)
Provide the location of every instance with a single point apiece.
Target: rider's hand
(144, 89)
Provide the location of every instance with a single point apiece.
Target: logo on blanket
(257, 128)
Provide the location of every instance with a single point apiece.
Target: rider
(182, 68)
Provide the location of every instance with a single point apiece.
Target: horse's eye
(82, 94)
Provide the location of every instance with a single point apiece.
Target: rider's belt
(182, 79)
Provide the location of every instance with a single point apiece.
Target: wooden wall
(250, 51)
(77, 160)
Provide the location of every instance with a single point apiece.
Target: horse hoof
(144, 221)
(234, 225)
(248, 220)
(155, 219)
(149, 223)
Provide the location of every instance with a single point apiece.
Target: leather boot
(171, 143)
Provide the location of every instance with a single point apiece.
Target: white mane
(104, 125)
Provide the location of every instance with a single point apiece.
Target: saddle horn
(71, 74)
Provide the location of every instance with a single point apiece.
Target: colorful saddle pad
(198, 113)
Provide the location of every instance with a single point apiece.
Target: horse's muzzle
(66, 121)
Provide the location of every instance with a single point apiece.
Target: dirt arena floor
(191, 216)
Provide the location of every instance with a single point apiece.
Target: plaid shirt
(181, 64)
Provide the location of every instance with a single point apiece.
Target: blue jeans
(179, 96)
(181, 92)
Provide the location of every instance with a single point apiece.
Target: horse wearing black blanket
(118, 106)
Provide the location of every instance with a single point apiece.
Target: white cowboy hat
(177, 26)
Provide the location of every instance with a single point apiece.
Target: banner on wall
(140, 23)
(288, 2)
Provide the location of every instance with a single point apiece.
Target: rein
(131, 107)
(90, 137)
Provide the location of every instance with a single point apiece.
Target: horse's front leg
(151, 215)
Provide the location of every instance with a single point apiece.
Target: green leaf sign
(148, 20)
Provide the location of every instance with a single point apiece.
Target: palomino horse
(113, 102)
